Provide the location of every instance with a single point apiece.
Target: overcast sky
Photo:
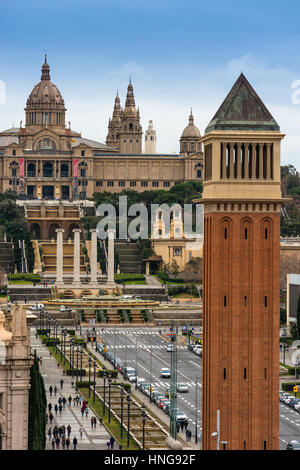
(178, 53)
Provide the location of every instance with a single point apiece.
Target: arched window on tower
(48, 170)
(31, 170)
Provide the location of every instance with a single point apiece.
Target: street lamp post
(109, 385)
(173, 388)
(122, 404)
(65, 334)
(150, 370)
(77, 354)
(94, 389)
(114, 347)
(128, 418)
(90, 362)
(104, 390)
(196, 418)
(284, 344)
(144, 422)
(136, 373)
(81, 352)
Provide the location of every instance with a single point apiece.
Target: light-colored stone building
(47, 159)
(15, 364)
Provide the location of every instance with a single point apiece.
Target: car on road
(157, 397)
(129, 371)
(165, 373)
(162, 402)
(166, 406)
(35, 307)
(63, 308)
(180, 415)
(140, 381)
(198, 351)
(293, 445)
(182, 388)
(170, 348)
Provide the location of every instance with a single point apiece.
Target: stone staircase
(150, 292)
(6, 257)
(130, 260)
(33, 294)
(49, 257)
(182, 315)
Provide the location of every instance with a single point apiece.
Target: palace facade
(47, 159)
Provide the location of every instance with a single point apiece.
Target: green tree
(298, 318)
(37, 409)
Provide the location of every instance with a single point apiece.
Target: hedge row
(24, 277)
(84, 384)
(114, 373)
(129, 277)
(81, 372)
(288, 387)
(291, 370)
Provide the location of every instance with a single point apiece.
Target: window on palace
(46, 144)
(144, 184)
(132, 183)
(110, 183)
(121, 184)
(31, 170)
(98, 183)
(48, 170)
(155, 184)
(166, 184)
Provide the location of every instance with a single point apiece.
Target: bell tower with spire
(114, 125)
(242, 200)
(131, 130)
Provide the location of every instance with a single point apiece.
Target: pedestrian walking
(81, 431)
(74, 401)
(82, 412)
(77, 400)
(41, 360)
(57, 442)
(74, 443)
(178, 426)
(60, 409)
(49, 434)
(53, 443)
(64, 401)
(86, 412)
(56, 408)
(51, 418)
(92, 421)
(181, 425)
(61, 384)
(50, 390)
(70, 400)
(69, 429)
(63, 443)
(108, 445)
(67, 443)
(49, 407)
(55, 390)
(112, 442)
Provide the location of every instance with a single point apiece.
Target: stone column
(76, 262)
(253, 157)
(261, 161)
(93, 259)
(231, 164)
(110, 258)
(238, 161)
(246, 161)
(224, 174)
(59, 256)
(268, 157)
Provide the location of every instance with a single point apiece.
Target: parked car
(35, 307)
(180, 415)
(63, 308)
(182, 387)
(293, 445)
(157, 397)
(191, 346)
(170, 348)
(140, 381)
(165, 373)
(162, 402)
(166, 406)
(144, 386)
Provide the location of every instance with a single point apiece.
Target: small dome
(191, 130)
(45, 93)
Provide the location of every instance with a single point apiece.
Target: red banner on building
(75, 168)
(21, 167)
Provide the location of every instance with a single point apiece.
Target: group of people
(183, 426)
(61, 437)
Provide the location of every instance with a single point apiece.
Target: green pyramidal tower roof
(242, 110)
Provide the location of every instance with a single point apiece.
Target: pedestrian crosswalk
(118, 331)
(145, 346)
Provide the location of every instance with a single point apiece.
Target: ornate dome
(191, 130)
(45, 94)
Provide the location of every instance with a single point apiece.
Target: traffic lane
(289, 425)
(185, 373)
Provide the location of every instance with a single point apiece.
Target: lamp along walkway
(92, 438)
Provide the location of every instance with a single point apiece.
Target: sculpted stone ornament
(4, 334)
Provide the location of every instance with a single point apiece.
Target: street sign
(295, 389)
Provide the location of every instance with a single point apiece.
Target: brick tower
(242, 200)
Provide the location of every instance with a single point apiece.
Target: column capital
(93, 230)
(76, 230)
(61, 230)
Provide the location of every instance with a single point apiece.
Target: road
(138, 343)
